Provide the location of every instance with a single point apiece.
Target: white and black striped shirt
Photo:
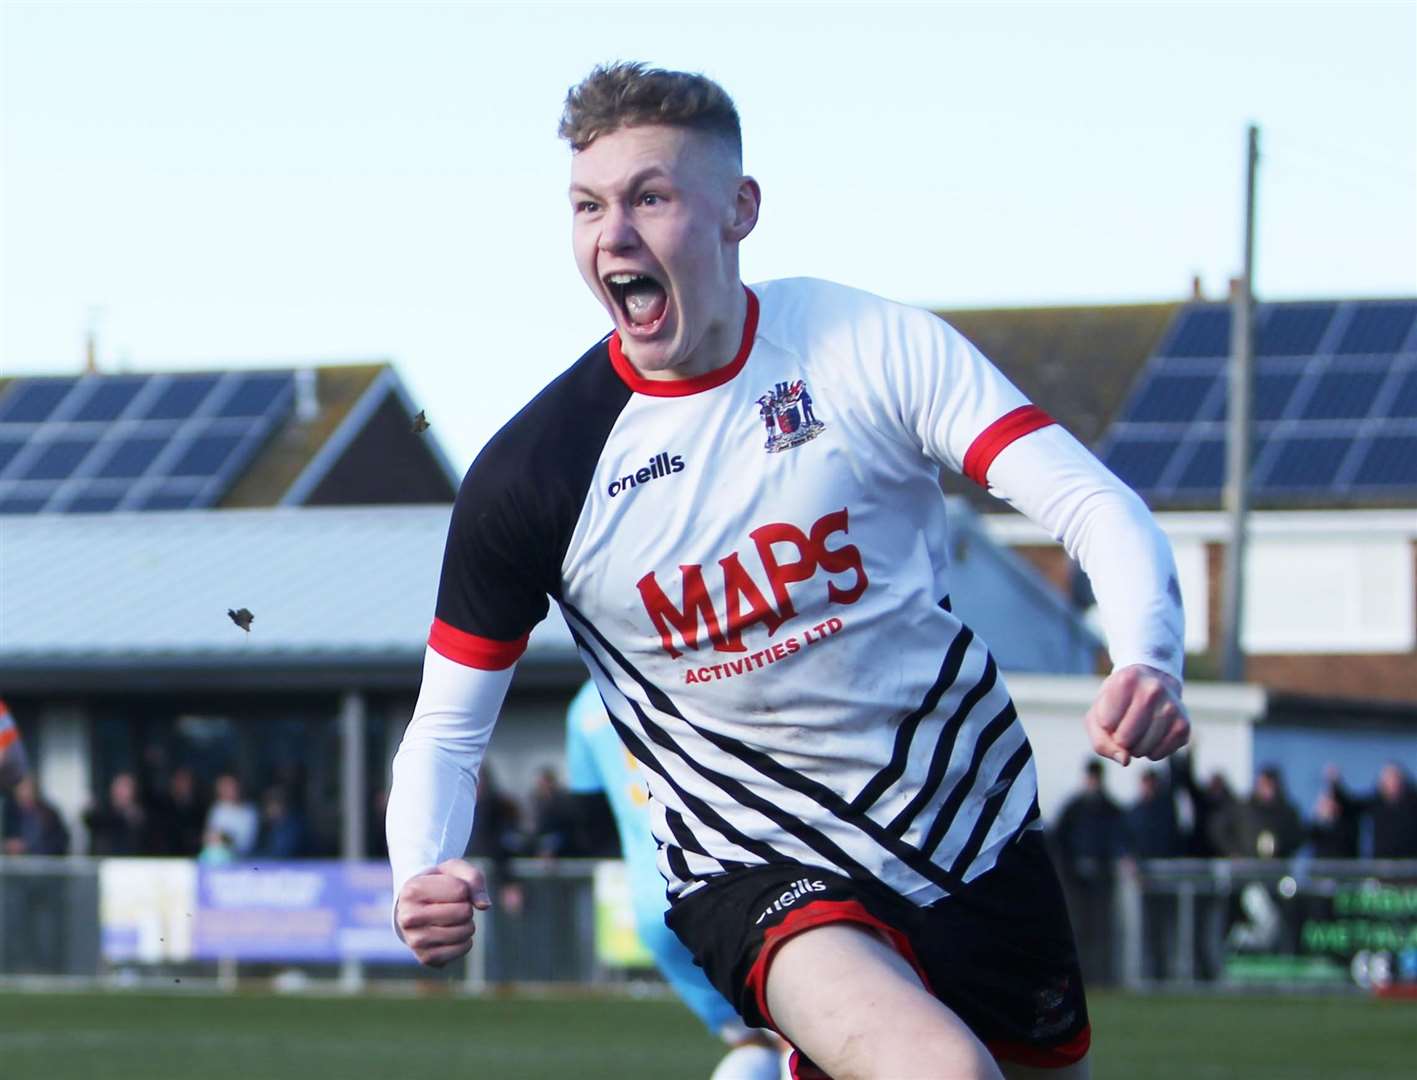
(754, 565)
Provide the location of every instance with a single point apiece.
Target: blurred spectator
(32, 825)
(555, 830)
(14, 766)
(496, 824)
(217, 849)
(282, 828)
(1152, 831)
(1208, 803)
(497, 837)
(1392, 809)
(1265, 826)
(1090, 836)
(232, 816)
(120, 825)
(179, 815)
(1333, 834)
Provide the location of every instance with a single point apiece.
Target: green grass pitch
(133, 1036)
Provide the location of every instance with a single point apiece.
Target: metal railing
(1184, 923)
(1266, 922)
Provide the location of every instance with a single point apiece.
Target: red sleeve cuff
(487, 654)
(992, 440)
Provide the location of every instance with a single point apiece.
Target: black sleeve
(494, 582)
(519, 503)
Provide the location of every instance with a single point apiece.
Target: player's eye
(650, 198)
(585, 206)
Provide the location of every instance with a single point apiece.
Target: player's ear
(747, 198)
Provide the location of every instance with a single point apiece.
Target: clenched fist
(1138, 713)
(435, 911)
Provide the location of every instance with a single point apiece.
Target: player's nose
(617, 231)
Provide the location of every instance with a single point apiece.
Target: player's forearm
(1106, 527)
(431, 800)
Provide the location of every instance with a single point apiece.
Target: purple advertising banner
(296, 911)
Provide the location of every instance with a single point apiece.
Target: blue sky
(267, 184)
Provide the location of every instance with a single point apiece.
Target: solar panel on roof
(255, 395)
(21, 504)
(1140, 462)
(1404, 402)
(1178, 397)
(9, 447)
(1343, 395)
(168, 500)
(1273, 389)
(58, 459)
(206, 455)
(132, 457)
(1377, 328)
(94, 503)
(130, 435)
(109, 398)
(1293, 329)
(181, 397)
(1306, 463)
(1334, 404)
(1389, 461)
(32, 401)
(1206, 469)
(1200, 331)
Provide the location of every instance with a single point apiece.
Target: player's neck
(719, 346)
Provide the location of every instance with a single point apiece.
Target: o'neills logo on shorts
(798, 890)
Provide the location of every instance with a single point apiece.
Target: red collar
(683, 387)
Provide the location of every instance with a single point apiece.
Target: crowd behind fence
(1182, 923)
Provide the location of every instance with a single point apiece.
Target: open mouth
(642, 300)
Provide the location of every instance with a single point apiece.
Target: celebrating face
(657, 214)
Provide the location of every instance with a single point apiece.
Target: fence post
(1130, 924)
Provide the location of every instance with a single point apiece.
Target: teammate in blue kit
(843, 798)
(597, 761)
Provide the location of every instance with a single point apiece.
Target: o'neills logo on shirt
(659, 465)
(799, 889)
(786, 556)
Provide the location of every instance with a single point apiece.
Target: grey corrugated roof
(329, 587)
(341, 596)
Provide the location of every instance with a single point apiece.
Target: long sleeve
(1104, 525)
(434, 789)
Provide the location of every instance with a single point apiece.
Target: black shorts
(1000, 953)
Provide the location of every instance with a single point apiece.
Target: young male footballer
(733, 499)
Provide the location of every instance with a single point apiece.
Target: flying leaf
(242, 617)
(420, 423)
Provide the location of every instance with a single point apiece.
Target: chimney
(307, 400)
(91, 352)
(1197, 292)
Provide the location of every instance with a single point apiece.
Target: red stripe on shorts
(989, 442)
(819, 913)
(1045, 1057)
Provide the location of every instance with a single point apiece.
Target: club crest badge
(786, 412)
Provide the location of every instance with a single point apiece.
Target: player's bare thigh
(852, 1004)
